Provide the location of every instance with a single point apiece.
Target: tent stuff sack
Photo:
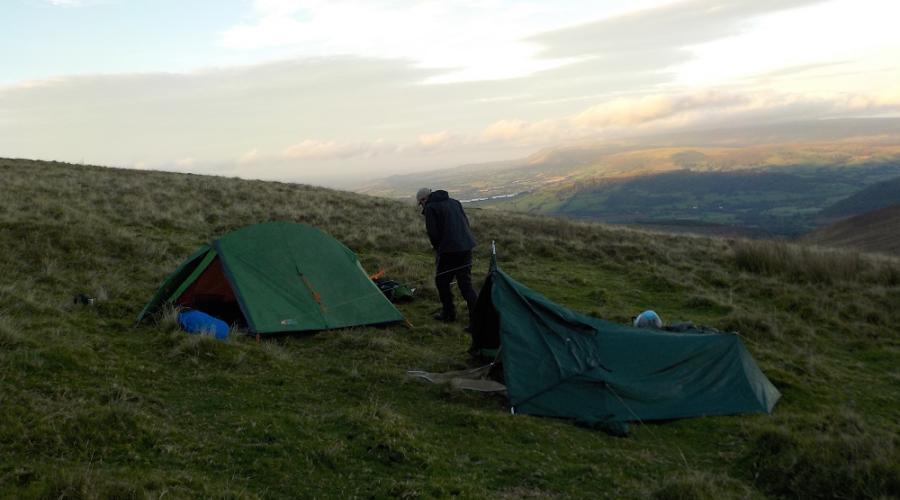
(560, 363)
(202, 323)
(394, 291)
(276, 277)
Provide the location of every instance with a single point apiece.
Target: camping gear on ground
(394, 291)
(559, 363)
(689, 327)
(202, 323)
(648, 319)
(475, 379)
(277, 277)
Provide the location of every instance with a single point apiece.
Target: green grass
(91, 407)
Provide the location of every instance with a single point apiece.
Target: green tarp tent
(277, 277)
(560, 363)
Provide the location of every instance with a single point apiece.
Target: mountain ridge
(826, 141)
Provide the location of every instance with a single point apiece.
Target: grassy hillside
(875, 231)
(91, 407)
(873, 197)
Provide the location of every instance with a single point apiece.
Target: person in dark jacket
(452, 240)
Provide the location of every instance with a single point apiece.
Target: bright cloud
(636, 111)
(185, 162)
(846, 31)
(660, 112)
(435, 140)
(249, 157)
(473, 40)
(310, 149)
(524, 133)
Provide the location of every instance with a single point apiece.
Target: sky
(336, 92)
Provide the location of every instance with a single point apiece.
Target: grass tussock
(814, 265)
(93, 481)
(697, 485)
(843, 459)
(386, 435)
(10, 336)
(200, 350)
(93, 407)
(753, 326)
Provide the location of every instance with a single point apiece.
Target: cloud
(310, 149)
(249, 157)
(640, 110)
(668, 28)
(214, 114)
(435, 140)
(522, 132)
(185, 162)
(355, 117)
(468, 40)
(646, 47)
(706, 108)
(885, 100)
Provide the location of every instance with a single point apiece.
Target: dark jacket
(447, 224)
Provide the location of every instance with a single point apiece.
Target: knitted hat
(422, 193)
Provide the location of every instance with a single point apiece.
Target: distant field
(92, 407)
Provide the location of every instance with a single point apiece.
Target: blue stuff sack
(200, 322)
(648, 319)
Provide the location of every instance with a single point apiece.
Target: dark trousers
(457, 265)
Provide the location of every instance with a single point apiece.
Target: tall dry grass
(813, 264)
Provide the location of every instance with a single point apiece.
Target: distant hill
(876, 231)
(812, 143)
(874, 197)
(761, 180)
(784, 200)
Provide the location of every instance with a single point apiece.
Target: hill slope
(876, 231)
(873, 197)
(91, 407)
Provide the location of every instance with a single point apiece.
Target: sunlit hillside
(778, 180)
(828, 143)
(93, 407)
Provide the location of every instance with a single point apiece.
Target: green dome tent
(560, 363)
(277, 277)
